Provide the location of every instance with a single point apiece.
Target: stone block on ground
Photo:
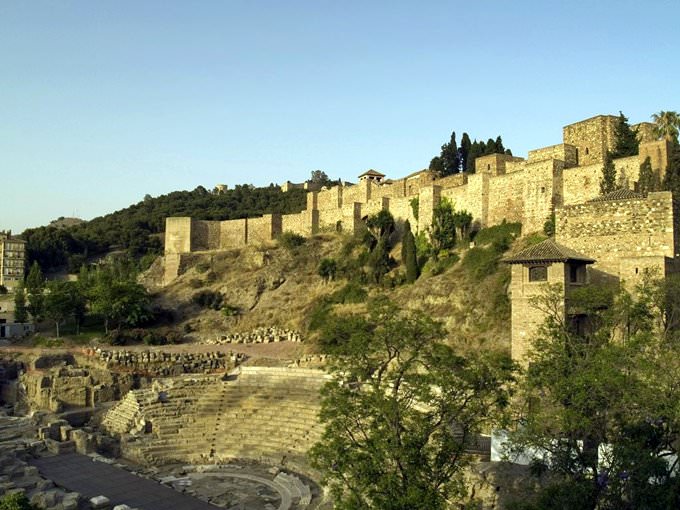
(58, 447)
(100, 502)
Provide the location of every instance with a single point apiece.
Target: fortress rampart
(502, 188)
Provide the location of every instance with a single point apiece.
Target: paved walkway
(81, 474)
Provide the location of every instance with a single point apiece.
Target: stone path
(80, 473)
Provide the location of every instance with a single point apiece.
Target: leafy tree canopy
(402, 411)
(601, 400)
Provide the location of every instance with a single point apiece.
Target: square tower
(592, 138)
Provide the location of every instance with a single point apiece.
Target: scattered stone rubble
(17, 443)
(258, 336)
(164, 364)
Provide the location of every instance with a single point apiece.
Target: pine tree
(608, 181)
(490, 147)
(20, 312)
(408, 254)
(625, 140)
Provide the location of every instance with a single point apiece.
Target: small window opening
(538, 274)
(636, 270)
(587, 151)
(542, 189)
(488, 166)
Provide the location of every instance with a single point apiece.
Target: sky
(104, 102)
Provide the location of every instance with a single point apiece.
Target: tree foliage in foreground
(401, 412)
(601, 402)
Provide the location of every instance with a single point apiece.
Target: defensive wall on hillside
(503, 187)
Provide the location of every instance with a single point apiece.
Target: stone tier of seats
(261, 413)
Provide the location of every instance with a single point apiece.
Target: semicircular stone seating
(264, 413)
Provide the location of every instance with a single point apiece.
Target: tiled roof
(619, 194)
(547, 251)
(372, 172)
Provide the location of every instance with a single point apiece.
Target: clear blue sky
(103, 102)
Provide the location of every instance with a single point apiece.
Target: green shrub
(481, 262)
(153, 338)
(549, 226)
(320, 314)
(291, 240)
(115, 337)
(353, 292)
(445, 261)
(208, 299)
(327, 269)
(195, 283)
(41, 341)
(500, 235)
(231, 311)
(203, 267)
(16, 501)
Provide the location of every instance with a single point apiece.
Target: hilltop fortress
(556, 179)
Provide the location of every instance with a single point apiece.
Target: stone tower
(532, 269)
(592, 138)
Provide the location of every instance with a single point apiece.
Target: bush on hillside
(482, 260)
(291, 240)
(500, 235)
(327, 269)
(208, 299)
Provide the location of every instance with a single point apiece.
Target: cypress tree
(474, 152)
(648, 180)
(608, 181)
(35, 285)
(437, 166)
(499, 145)
(408, 254)
(490, 147)
(625, 140)
(671, 180)
(465, 146)
(20, 312)
(449, 156)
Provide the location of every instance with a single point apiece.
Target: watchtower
(535, 267)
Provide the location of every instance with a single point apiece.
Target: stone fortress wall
(502, 188)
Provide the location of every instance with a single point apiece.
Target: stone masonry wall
(177, 235)
(233, 233)
(611, 230)
(505, 198)
(581, 183)
(657, 151)
(263, 229)
(592, 137)
(504, 188)
(205, 235)
(562, 152)
(541, 190)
